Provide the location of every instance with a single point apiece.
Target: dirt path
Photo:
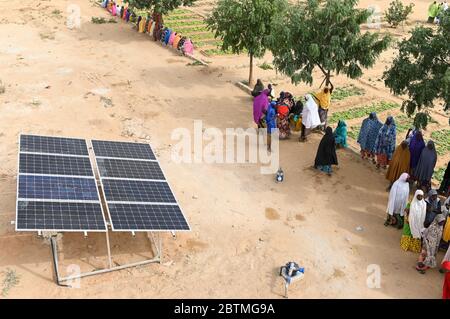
(244, 226)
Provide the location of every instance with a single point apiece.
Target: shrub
(398, 13)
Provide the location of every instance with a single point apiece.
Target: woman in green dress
(415, 213)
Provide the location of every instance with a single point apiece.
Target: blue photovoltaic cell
(51, 187)
(147, 217)
(123, 150)
(55, 165)
(59, 216)
(129, 169)
(53, 145)
(137, 191)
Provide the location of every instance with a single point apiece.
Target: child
(271, 121)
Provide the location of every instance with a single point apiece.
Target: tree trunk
(250, 75)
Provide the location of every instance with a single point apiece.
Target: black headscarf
(326, 153)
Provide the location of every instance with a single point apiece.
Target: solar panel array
(56, 187)
(137, 194)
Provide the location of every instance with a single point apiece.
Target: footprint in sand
(272, 214)
(196, 245)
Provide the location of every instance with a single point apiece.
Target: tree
(421, 68)
(245, 25)
(325, 35)
(159, 6)
(397, 13)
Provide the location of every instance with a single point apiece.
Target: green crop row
(190, 16)
(353, 132)
(346, 91)
(199, 37)
(362, 111)
(217, 43)
(173, 23)
(439, 174)
(217, 52)
(189, 30)
(442, 140)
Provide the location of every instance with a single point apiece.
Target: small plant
(56, 12)
(346, 91)
(2, 87)
(398, 13)
(102, 20)
(442, 140)
(195, 63)
(439, 174)
(11, 280)
(266, 66)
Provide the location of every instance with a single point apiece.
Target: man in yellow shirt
(323, 99)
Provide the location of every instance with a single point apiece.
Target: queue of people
(435, 11)
(151, 25)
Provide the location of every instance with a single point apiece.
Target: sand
(109, 82)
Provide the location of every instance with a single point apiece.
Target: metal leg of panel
(108, 247)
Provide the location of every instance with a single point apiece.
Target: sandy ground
(244, 226)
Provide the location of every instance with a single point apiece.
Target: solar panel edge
(85, 150)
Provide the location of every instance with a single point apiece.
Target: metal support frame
(158, 258)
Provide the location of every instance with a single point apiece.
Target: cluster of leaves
(353, 132)
(160, 6)
(421, 68)
(442, 140)
(397, 13)
(266, 66)
(345, 92)
(438, 174)
(362, 111)
(326, 35)
(102, 20)
(11, 279)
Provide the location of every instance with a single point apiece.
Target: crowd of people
(424, 220)
(152, 25)
(305, 115)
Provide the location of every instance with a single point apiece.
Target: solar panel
(59, 216)
(57, 188)
(143, 217)
(123, 150)
(137, 194)
(129, 169)
(137, 191)
(53, 145)
(54, 165)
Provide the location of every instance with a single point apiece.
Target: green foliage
(11, 279)
(266, 66)
(362, 111)
(353, 132)
(439, 174)
(102, 20)
(421, 68)
(442, 140)
(326, 35)
(397, 13)
(160, 6)
(245, 25)
(345, 92)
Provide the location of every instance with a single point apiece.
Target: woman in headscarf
(425, 167)
(188, 47)
(271, 122)
(310, 117)
(431, 239)
(385, 142)
(326, 152)
(283, 119)
(113, 9)
(259, 87)
(416, 145)
(141, 26)
(340, 134)
(260, 104)
(368, 134)
(445, 184)
(413, 226)
(398, 198)
(399, 163)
